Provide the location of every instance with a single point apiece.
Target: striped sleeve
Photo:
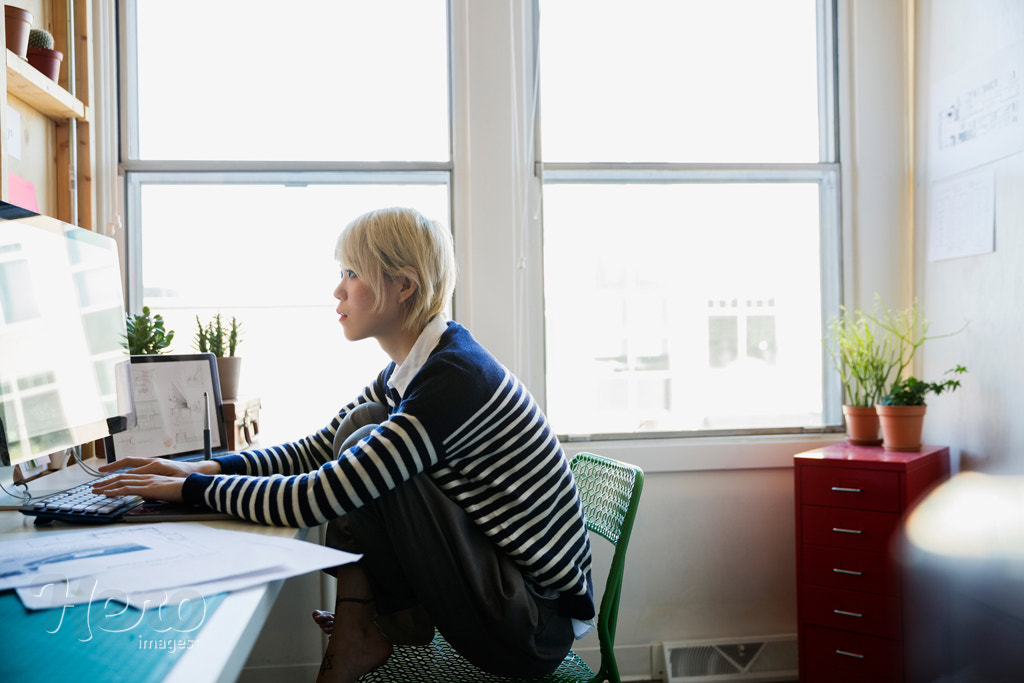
(397, 450)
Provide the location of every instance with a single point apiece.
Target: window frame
(483, 201)
(424, 174)
(827, 174)
(135, 172)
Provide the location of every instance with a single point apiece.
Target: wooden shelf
(42, 94)
(53, 119)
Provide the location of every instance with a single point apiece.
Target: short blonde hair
(388, 244)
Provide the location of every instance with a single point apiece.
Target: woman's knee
(357, 425)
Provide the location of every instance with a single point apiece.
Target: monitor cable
(77, 450)
(26, 496)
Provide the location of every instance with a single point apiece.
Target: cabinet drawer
(843, 528)
(856, 570)
(854, 652)
(877, 615)
(850, 488)
(824, 674)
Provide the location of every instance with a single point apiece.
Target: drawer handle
(849, 654)
(847, 614)
(838, 530)
(837, 570)
(842, 489)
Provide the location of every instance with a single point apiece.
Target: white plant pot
(228, 368)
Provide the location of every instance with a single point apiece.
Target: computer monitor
(62, 330)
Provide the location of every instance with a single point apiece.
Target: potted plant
(146, 334)
(222, 341)
(902, 410)
(865, 355)
(41, 54)
(17, 25)
(904, 400)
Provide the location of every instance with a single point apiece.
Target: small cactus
(37, 37)
(217, 337)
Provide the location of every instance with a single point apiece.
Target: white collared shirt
(425, 344)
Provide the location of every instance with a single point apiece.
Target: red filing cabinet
(853, 594)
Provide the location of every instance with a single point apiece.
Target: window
(690, 215)
(245, 154)
(688, 186)
(318, 81)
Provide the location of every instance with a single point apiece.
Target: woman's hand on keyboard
(167, 468)
(151, 478)
(135, 483)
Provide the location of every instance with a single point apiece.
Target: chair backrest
(610, 491)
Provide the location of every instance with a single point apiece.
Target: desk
(223, 642)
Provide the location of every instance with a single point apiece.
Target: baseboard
(636, 662)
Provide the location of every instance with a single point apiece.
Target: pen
(206, 427)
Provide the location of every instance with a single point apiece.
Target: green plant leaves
(217, 339)
(146, 334)
(870, 350)
(912, 391)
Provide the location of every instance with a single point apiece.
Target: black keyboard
(80, 504)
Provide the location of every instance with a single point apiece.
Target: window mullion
(694, 173)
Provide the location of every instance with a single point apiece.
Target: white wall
(981, 422)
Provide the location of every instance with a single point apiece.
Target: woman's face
(358, 316)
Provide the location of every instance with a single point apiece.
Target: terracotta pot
(901, 427)
(47, 62)
(18, 23)
(228, 370)
(861, 425)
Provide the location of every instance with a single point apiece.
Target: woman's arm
(159, 479)
(397, 450)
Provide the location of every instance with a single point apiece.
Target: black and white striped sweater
(466, 421)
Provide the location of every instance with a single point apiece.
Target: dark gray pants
(421, 549)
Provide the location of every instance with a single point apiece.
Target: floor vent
(768, 658)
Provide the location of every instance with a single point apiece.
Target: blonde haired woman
(444, 474)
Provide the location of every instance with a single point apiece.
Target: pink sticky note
(22, 192)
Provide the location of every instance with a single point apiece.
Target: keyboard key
(80, 504)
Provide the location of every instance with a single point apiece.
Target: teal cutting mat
(100, 642)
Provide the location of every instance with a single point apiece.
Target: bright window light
(690, 215)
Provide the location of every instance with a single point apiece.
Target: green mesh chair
(611, 493)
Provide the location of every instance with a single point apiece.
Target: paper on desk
(37, 558)
(90, 590)
(297, 557)
(131, 564)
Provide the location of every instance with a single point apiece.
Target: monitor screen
(62, 330)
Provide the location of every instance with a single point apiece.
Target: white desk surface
(222, 646)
